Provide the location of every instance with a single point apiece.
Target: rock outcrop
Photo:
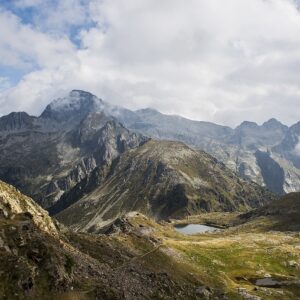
(46, 156)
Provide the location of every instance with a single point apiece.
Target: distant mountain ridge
(79, 132)
(237, 148)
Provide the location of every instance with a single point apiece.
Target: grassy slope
(144, 260)
(233, 258)
(281, 215)
(149, 257)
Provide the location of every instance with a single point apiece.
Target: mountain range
(138, 258)
(47, 155)
(115, 184)
(78, 156)
(267, 154)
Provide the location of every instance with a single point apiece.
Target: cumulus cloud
(297, 147)
(55, 15)
(22, 46)
(4, 83)
(205, 59)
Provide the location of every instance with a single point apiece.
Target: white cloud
(210, 60)
(4, 83)
(297, 147)
(55, 16)
(24, 46)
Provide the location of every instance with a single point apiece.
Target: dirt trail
(138, 257)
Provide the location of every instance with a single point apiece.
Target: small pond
(194, 228)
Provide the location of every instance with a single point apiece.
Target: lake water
(194, 228)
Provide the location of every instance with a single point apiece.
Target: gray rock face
(237, 148)
(48, 155)
(154, 124)
(289, 148)
(16, 121)
(272, 173)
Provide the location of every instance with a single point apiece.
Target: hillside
(38, 261)
(160, 179)
(282, 215)
(237, 148)
(139, 259)
(12, 202)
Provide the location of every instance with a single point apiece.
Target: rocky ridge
(160, 179)
(236, 148)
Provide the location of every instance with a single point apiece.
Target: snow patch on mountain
(66, 103)
(75, 100)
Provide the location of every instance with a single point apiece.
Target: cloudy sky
(223, 61)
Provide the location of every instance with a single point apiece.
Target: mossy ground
(143, 259)
(235, 257)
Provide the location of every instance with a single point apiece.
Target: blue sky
(33, 16)
(204, 60)
(13, 73)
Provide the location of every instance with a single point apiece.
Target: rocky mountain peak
(274, 124)
(296, 127)
(76, 105)
(80, 93)
(16, 121)
(147, 111)
(247, 125)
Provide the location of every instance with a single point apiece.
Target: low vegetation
(138, 258)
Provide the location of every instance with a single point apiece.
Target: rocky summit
(47, 155)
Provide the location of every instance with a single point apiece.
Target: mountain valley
(94, 191)
(138, 258)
